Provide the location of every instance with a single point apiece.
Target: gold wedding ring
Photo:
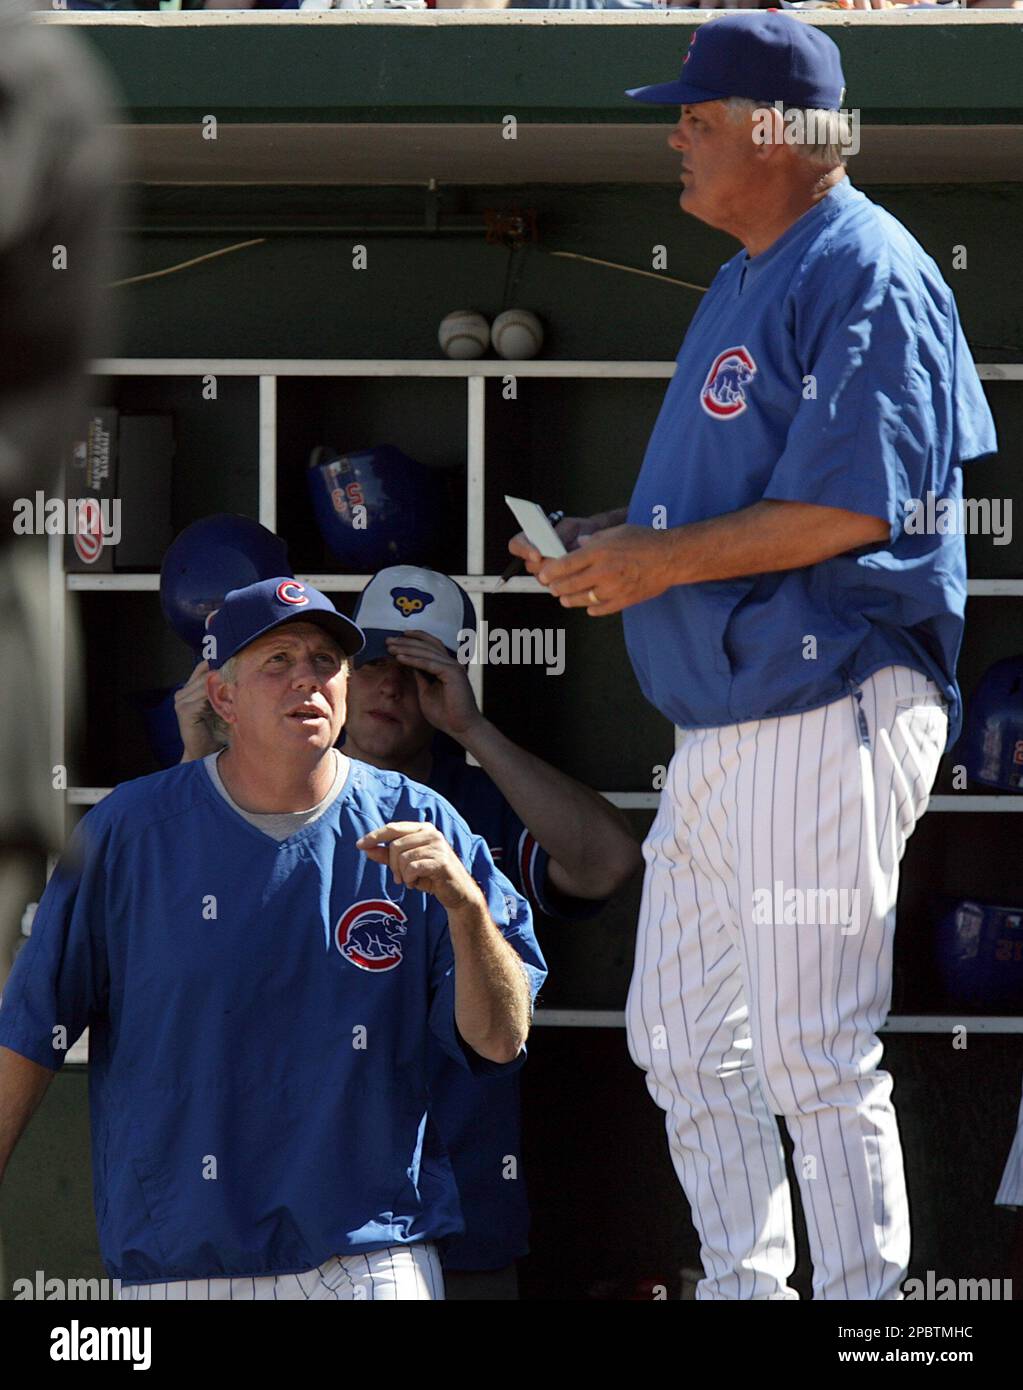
(593, 597)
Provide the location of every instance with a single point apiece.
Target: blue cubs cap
(404, 599)
(761, 55)
(257, 609)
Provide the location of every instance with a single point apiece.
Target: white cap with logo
(404, 599)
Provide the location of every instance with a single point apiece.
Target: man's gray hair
(831, 134)
(219, 730)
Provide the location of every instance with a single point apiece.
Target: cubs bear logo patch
(369, 934)
(723, 394)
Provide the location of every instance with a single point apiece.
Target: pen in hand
(517, 565)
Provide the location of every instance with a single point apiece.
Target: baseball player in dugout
(566, 850)
(804, 644)
(260, 944)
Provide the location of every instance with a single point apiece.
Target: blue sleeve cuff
(41, 1053)
(534, 865)
(445, 1030)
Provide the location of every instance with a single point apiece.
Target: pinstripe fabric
(397, 1273)
(746, 1003)
(1010, 1189)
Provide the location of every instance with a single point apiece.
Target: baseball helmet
(374, 507)
(992, 749)
(208, 559)
(980, 955)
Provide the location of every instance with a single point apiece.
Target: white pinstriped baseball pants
(1010, 1189)
(750, 1000)
(399, 1272)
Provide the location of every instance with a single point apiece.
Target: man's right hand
(192, 710)
(569, 529)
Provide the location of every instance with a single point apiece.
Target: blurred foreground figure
(58, 172)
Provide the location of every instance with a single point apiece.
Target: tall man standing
(779, 612)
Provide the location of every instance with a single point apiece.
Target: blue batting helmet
(207, 560)
(992, 747)
(979, 949)
(374, 507)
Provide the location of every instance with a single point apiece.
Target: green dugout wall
(329, 130)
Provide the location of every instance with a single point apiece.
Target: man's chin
(312, 733)
(690, 204)
(385, 744)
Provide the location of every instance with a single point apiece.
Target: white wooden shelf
(128, 582)
(330, 583)
(421, 367)
(988, 1024)
(994, 588)
(897, 1023)
(391, 367)
(265, 373)
(647, 801)
(1009, 801)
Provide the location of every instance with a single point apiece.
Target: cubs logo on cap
(291, 591)
(409, 601)
(369, 934)
(257, 609)
(723, 394)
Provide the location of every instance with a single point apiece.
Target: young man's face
(289, 691)
(719, 163)
(384, 720)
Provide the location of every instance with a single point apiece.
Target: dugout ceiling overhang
(340, 97)
(359, 155)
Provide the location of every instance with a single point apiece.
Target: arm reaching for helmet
(194, 715)
(592, 853)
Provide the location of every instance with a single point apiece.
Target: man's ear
(221, 694)
(767, 131)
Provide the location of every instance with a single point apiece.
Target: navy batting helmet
(208, 559)
(993, 740)
(374, 507)
(979, 949)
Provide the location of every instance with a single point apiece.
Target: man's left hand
(621, 566)
(447, 700)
